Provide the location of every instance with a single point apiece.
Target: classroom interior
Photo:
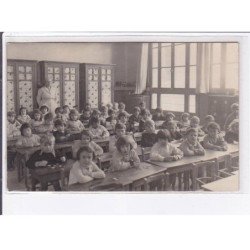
(197, 78)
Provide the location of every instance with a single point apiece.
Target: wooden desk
(124, 178)
(228, 184)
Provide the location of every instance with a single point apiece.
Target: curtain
(142, 69)
(203, 67)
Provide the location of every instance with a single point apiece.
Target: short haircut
(11, 113)
(122, 114)
(195, 119)
(145, 112)
(169, 123)
(48, 117)
(96, 112)
(65, 106)
(24, 126)
(121, 105)
(185, 115)
(44, 107)
(213, 125)
(120, 126)
(209, 117)
(122, 141)
(94, 120)
(84, 149)
(234, 106)
(37, 111)
(190, 130)
(59, 122)
(47, 139)
(149, 123)
(86, 133)
(158, 110)
(59, 110)
(103, 108)
(142, 103)
(22, 108)
(164, 135)
(111, 112)
(136, 108)
(170, 114)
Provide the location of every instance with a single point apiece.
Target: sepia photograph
(160, 116)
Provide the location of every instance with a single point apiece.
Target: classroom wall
(124, 55)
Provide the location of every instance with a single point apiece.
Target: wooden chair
(205, 172)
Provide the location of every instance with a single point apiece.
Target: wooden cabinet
(96, 84)
(64, 78)
(21, 84)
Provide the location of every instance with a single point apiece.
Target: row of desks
(127, 177)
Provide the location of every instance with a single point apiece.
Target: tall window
(173, 76)
(224, 76)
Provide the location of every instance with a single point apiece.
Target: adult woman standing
(46, 96)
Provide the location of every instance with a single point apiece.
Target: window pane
(193, 53)
(166, 77)
(232, 76)
(166, 56)
(154, 101)
(179, 77)
(155, 45)
(192, 77)
(180, 55)
(216, 76)
(172, 102)
(155, 78)
(232, 52)
(155, 58)
(216, 52)
(192, 103)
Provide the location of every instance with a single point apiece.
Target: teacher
(46, 96)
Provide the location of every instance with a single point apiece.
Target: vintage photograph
(122, 116)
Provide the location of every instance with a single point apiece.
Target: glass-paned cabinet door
(54, 77)
(10, 88)
(69, 86)
(92, 96)
(25, 86)
(106, 93)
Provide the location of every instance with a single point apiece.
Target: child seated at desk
(208, 119)
(104, 113)
(145, 115)
(59, 114)
(232, 116)
(85, 117)
(121, 109)
(86, 140)
(61, 134)
(84, 169)
(175, 135)
(122, 119)
(142, 105)
(158, 115)
(27, 139)
(163, 150)
(111, 118)
(23, 116)
(134, 119)
(47, 126)
(232, 135)
(169, 117)
(44, 110)
(115, 108)
(96, 114)
(96, 130)
(43, 157)
(66, 111)
(214, 140)
(149, 136)
(184, 123)
(74, 125)
(124, 156)
(37, 120)
(195, 123)
(191, 146)
(120, 130)
(88, 107)
(13, 126)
